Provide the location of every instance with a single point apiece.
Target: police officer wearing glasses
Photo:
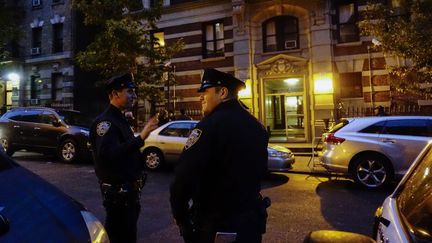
(118, 166)
(216, 189)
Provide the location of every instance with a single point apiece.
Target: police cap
(119, 82)
(213, 78)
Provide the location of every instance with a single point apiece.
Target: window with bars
(280, 33)
(347, 22)
(214, 42)
(57, 37)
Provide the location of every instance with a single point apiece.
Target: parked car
(41, 129)
(405, 216)
(375, 150)
(32, 210)
(165, 144)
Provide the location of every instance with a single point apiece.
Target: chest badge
(102, 128)
(193, 138)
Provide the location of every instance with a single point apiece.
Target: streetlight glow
(13, 77)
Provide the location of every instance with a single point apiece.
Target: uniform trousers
(121, 219)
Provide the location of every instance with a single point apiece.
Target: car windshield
(75, 118)
(415, 201)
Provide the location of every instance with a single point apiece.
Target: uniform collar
(228, 103)
(115, 110)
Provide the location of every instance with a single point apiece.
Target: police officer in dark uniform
(117, 160)
(216, 190)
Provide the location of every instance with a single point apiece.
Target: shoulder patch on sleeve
(193, 138)
(102, 128)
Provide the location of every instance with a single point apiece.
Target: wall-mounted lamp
(246, 92)
(323, 83)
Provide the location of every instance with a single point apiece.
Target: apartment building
(302, 61)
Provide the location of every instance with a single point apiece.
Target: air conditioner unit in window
(34, 101)
(35, 51)
(36, 3)
(290, 44)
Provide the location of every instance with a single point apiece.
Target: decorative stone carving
(57, 19)
(282, 66)
(238, 15)
(36, 23)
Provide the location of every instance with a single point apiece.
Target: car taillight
(332, 139)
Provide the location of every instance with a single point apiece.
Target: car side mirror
(333, 236)
(57, 123)
(4, 225)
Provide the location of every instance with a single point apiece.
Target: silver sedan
(165, 144)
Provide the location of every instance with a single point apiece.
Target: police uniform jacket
(115, 148)
(221, 166)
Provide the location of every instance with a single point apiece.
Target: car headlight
(275, 153)
(96, 230)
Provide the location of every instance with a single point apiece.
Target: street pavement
(304, 199)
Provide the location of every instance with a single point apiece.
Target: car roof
(358, 123)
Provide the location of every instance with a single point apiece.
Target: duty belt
(136, 185)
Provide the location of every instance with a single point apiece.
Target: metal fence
(394, 110)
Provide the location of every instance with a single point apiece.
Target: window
(56, 87)
(37, 37)
(415, 200)
(351, 85)
(57, 37)
(347, 22)
(214, 43)
(158, 39)
(36, 3)
(280, 33)
(48, 118)
(375, 128)
(409, 127)
(178, 130)
(30, 116)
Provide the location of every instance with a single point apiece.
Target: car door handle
(389, 141)
(16, 126)
(36, 128)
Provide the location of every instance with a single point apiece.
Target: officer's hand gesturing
(151, 125)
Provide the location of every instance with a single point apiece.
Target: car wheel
(68, 151)
(371, 171)
(4, 142)
(153, 159)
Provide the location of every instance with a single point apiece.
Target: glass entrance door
(285, 110)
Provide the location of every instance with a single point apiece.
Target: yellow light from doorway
(323, 83)
(246, 92)
(292, 81)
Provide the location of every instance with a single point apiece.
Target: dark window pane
(280, 33)
(412, 127)
(31, 116)
(57, 37)
(375, 128)
(347, 22)
(36, 37)
(48, 118)
(214, 41)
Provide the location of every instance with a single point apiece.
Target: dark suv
(45, 130)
